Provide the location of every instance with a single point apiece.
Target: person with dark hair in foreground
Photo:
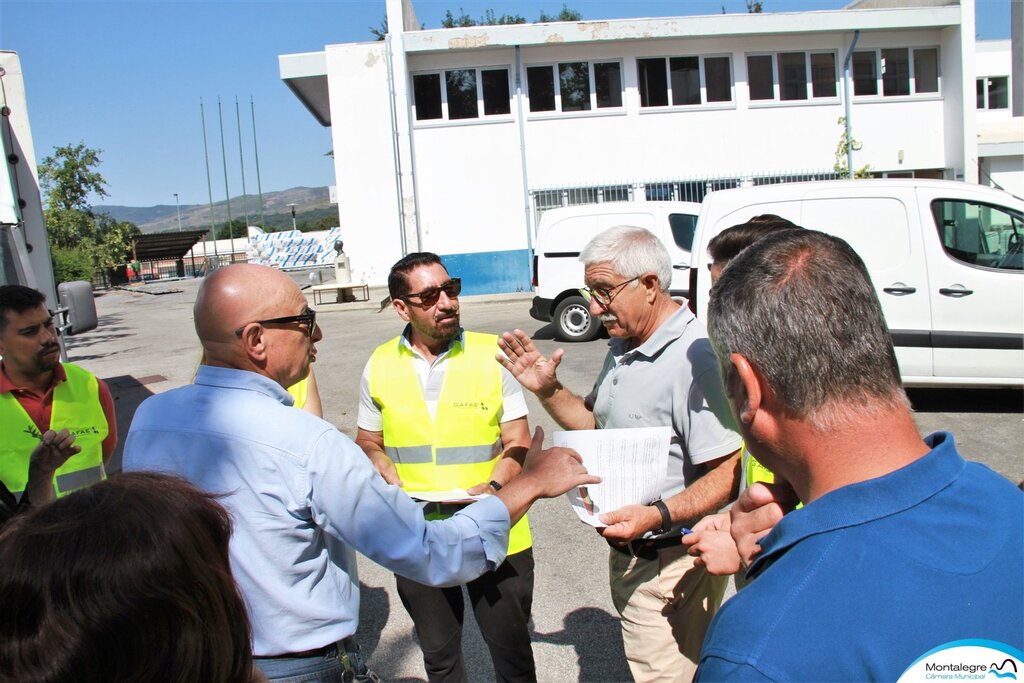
(304, 497)
(127, 580)
(902, 546)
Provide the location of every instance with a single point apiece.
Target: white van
(946, 258)
(561, 236)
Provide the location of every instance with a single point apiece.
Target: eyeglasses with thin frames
(429, 296)
(307, 317)
(605, 296)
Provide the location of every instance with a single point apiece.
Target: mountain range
(311, 203)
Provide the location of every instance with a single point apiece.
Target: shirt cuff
(491, 518)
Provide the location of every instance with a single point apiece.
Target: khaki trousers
(666, 605)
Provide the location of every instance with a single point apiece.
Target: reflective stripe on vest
(76, 407)
(461, 445)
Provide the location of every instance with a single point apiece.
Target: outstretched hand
(535, 372)
(53, 450)
(555, 470)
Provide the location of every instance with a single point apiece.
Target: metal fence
(678, 189)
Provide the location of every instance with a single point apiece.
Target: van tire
(573, 322)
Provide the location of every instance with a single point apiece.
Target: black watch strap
(666, 516)
(494, 485)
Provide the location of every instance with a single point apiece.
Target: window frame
(912, 86)
(777, 100)
(986, 83)
(556, 73)
(442, 75)
(702, 79)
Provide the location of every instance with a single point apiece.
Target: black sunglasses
(430, 295)
(307, 317)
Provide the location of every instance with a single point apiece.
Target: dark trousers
(501, 601)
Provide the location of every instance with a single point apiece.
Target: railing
(678, 189)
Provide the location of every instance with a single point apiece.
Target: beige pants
(666, 607)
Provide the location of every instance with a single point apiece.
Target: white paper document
(631, 463)
(449, 496)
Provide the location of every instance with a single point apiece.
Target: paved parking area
(145, 344)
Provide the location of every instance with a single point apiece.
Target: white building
(1000, 133)
(451, 140)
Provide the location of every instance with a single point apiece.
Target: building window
(684, 81)
(926, 71)
(574, 86)
(896, 72)
(799, 75)
(992, 92)
(465, 94)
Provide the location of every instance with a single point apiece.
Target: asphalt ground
(145, 344)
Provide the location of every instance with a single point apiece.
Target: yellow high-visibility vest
(461, 445)
(76, 407)
(753, 471)
(300, 391)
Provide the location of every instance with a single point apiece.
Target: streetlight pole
(293, 216)
(177, 206)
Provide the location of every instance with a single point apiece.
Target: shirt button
(615, 381)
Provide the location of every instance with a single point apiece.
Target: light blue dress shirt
(303, 497)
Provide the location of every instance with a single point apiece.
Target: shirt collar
(6, 385)
(665, 334)
(405, 341)
(867, 500)
(233, 378)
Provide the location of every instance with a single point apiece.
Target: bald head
(233, 297)
(238, 294)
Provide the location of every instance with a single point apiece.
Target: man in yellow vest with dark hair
(39, 393)
(437, 413)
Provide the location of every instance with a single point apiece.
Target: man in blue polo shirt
(902, 545)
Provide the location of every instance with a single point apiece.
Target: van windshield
(683, 226)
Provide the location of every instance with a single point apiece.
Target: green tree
(565, 14)
(236, 228)
(114, 241)
(380, 32)
(491, 18)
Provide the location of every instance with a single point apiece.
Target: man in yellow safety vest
(437, 413)
(38, 393)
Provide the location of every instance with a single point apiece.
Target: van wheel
(573, 321)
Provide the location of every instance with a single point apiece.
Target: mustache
(49, 347)
(446, 313)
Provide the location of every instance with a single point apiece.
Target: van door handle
(956, 293)
(899, 291)
(681, 266)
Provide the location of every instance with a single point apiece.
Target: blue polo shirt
(861, 582)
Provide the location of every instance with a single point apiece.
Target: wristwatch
(666, 517)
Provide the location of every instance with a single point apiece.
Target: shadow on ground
(596, 637)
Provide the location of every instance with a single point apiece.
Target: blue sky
(126, 77)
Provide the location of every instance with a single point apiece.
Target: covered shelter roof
(166, 245)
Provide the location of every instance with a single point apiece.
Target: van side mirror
(78, 305)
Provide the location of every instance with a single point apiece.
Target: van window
(979, 234)
(683, 226)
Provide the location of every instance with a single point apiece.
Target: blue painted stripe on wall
(491, 272)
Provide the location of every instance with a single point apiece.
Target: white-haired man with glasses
(437, 413)
(303, 497)
(660, 371)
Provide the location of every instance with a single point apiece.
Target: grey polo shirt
(671, 379)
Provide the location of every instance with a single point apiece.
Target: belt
(647, 550)
(443, 508)
(343, 645)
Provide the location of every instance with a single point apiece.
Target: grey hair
(800, 307)
(631, 252)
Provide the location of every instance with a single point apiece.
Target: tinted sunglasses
(429, 296)
(307, 317)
